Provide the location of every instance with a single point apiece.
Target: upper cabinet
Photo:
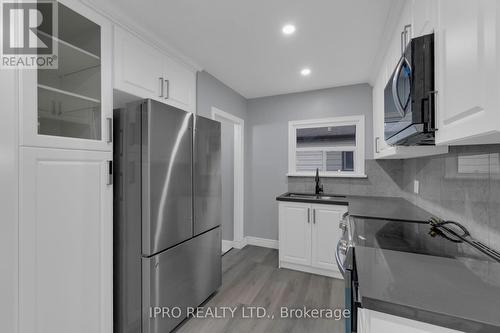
(143, 80)
(144, 71)
(416, 19)
(71, 106)
(468, 72)
(423, 17)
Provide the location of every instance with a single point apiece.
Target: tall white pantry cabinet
(57, 168)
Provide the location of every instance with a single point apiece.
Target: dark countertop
(389, 208)
(405, 272)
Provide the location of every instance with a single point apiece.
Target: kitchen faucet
(319, 188)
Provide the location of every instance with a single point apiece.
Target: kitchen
(343, 155)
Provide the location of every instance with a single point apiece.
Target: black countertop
(389, 208)
(405, 272)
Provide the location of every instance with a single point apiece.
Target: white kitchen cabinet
(180, 86)
(295, 233)
(468, 71)
(138, 67)
(423, 17)
(325, 233)
(71, 106)
(308, 236)
(144, 71)
(370, 321)
(65, 241)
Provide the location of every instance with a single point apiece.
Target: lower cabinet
(65, 241)
(308, 236)
(370, 321)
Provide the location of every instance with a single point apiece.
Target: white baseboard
(312, 270)
(249, 240)
(240, 244)
(262, 242)
(227, 245)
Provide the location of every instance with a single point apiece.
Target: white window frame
(359, 151)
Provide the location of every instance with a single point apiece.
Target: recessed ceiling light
(305, 72)
(288, 29)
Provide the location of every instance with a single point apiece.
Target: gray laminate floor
(251, 277)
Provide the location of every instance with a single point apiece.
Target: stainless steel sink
(314, 196)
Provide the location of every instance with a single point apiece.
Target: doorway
(232, 169)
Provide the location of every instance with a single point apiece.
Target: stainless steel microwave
(409, 96)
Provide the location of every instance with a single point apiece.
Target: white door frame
(239, 135)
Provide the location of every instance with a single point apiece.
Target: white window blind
(309, 160)
(482, 163)
(334, 146)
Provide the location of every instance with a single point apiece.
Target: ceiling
(241, 43)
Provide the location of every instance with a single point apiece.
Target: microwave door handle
(408, 99)
(395, 96)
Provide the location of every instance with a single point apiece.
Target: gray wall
(267, 145)
(473, 201)
(211, 92)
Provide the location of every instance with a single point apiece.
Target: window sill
(331, 175)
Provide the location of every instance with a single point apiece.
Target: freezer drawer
(167, 205)
(183, 276)
(207, 174)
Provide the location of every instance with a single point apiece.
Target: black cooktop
(404, 271)
(414, 237)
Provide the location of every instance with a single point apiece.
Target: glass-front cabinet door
(71, 106)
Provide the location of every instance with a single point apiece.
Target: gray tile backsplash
(384, 179)
(466, 190)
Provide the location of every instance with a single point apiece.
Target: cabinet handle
(404, 37)
(407, 30)
(167, 96)
(314, 216)
(110, 173)
(308, 215)
(432, 126)
(377, 139)
(110, 129)
(402, 43)
(161, 86)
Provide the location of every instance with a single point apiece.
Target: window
(335, 146)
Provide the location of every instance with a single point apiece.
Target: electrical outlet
(416, 186)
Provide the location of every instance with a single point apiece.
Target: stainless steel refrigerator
(167, 206)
